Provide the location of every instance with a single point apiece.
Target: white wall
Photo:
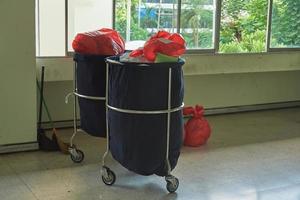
(17, 72)
(215, 81)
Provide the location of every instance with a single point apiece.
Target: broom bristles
(63, 146)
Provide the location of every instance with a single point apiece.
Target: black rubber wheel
(110, 178)
(77, 158)
(172, 185)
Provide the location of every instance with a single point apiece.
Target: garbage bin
(91, 86)
(137, 121)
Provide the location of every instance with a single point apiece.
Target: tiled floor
(250, 156)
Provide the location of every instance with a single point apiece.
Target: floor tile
(250, 156)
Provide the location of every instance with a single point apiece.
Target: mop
(45, 143)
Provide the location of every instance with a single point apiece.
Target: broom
(45, 143)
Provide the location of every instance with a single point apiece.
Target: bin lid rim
(85, 57)
(115, 60)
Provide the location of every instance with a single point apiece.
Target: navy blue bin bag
(91, 81)
(139, 141)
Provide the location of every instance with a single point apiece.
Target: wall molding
(211, 111)
(208, 111)
(10, 148)
(60, 124)
(249, 108)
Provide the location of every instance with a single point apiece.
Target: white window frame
(269, 31)
(37, 33)
(216, 32)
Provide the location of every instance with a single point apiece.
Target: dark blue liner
(138, 141)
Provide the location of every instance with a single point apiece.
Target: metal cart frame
(77, 155)
(108, 175)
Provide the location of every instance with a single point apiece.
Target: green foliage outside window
(243, 26)
(243, 23)
(197, 23)
(204, 40)
(136, 32)
(286, 23)
(120, 19)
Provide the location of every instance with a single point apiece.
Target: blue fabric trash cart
(144, 118)
(89, 87)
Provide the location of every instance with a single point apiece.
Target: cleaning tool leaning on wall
(54, 142)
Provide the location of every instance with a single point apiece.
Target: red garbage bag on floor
(197, 129)
(162, 42)
(105, 41)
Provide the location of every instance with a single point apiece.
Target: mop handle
(41, 100)
(44, 102)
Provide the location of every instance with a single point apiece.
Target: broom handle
(41, 89)
(46, 107)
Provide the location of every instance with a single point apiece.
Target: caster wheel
(172, 183)
(108, 176)
(77, 156)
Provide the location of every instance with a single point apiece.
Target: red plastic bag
(105, 41)
(197, 129)
(163, 42)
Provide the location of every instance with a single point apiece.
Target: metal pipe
(89, 97)
(168, 120)
(106, 109)
(146, 111)
(74, 106)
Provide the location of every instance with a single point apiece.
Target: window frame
(216, 32)
(37, 33)
(269, 31)
(217, 26)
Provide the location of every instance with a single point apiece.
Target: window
(88, 15)
(50, 28)
(243, 26)
(82, 16)
(285, 26)
(197, 18)
(139, 19)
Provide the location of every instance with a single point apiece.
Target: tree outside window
(242, 29)
(243, 26)
(285, 29)
(145, 17)
(197, 23)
